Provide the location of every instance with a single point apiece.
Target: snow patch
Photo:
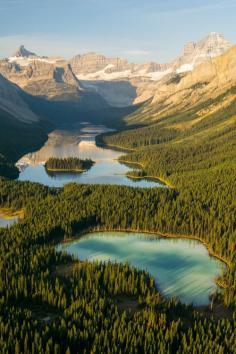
(184, 68)
(158, 75)
(126, 74)
(26, 61)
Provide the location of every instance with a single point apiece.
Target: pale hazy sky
(140, 30)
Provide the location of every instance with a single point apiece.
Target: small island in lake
(68, 164)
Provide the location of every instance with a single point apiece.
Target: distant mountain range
(39, 93)
(115, 80)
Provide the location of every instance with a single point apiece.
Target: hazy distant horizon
(140, 32)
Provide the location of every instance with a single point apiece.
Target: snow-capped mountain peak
(194, 53)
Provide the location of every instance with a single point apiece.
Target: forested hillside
(194, 151)
(52, 304)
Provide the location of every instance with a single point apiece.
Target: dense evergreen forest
(68, 164)
(51, 303)
(7, 168)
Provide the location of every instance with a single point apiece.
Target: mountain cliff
(206, 82)
(195, 53)
(22, 129)
(201, 100)
(95, 76)
(23, 52)
(122, 83)
(51, 81)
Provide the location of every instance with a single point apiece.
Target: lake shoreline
(155, 234)
(217, 279)
(106, 167)
(160, 179)
(8, 214)
(124, 149)
(64, 170)
(114, 147)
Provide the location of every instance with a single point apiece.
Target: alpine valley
(117, 202)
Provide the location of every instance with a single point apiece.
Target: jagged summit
(23, 52)
(213, 44)
(194, 53)
(117, 80)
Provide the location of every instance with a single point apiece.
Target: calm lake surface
(81, 143)
(182, 268)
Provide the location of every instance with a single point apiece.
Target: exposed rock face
(107, 75)
(93, 62)
(119, 82)
(47, 80)
(24, 57)
(23, 52)
(193, 99)
(206, 82)
(22, 75)
(196, 53)
(94, 66)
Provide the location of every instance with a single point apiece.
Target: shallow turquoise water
(182, 268)
(80, 143)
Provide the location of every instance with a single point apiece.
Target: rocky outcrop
(196, 53)
(107, 75)
(23, 52)
(93, 62)
(207, 81)
(53, 82)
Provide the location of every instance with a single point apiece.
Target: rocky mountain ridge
(116, 80)
(95, 66)
(209, 89)
(23, 52)
(112, 77)
(40, 78)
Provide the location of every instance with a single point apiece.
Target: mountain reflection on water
(81, 143)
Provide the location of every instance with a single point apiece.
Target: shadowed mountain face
(21, 127)
(55, 83)
(13, 104)
(119, 93)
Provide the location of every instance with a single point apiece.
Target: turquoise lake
(182, 268)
